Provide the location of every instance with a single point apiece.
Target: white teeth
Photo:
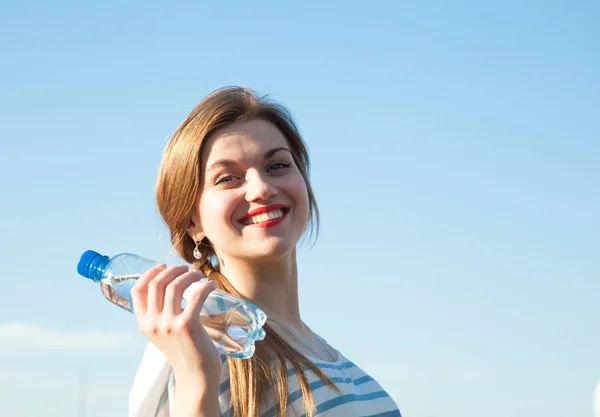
(275, 214)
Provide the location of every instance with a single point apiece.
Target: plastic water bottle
(233, 324)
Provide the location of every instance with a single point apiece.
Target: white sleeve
(149, 395)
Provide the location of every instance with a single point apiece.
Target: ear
(194, 230)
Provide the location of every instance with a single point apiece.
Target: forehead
(243, 140)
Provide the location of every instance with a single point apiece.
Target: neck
(271, 285)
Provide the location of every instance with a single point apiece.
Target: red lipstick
(262, 210)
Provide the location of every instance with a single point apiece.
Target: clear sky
(456, 161)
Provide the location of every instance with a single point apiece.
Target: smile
(265, 216)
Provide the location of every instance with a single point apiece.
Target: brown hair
(177, 187)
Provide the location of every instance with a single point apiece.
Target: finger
(197, 298)
(175, 290)
(139, 291)
(157, 286)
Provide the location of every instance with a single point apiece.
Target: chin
(270, 250)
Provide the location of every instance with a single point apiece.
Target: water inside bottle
(232, 324)
(117, 289)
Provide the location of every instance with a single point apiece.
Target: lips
(265, 216)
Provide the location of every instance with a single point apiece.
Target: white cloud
(29, 336)
(60, 394)
(63, 382)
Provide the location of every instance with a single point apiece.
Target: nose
(258, 187)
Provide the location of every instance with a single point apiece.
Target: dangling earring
(197, 253)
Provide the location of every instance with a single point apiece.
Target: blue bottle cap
(91, 264)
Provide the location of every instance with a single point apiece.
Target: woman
(233, 189)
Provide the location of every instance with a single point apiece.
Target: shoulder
(154, 386)
(148, 392)
(360, 393)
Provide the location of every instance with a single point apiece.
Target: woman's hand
(177, 332)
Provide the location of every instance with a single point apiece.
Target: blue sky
(456, 161)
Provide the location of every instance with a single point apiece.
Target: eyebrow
(229, 162)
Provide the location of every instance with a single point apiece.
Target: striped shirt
(360, 395)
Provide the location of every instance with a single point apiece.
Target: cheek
(215, 211)
(299, 192)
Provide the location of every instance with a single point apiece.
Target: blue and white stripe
(360, 395)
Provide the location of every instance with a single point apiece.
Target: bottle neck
(97, 267)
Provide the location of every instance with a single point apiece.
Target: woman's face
(253, 201)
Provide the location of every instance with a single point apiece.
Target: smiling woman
(233, 188)
(252, 183)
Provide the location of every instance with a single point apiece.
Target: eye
(278, 165)
(225, 178)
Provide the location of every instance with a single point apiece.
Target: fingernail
(161, 266)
